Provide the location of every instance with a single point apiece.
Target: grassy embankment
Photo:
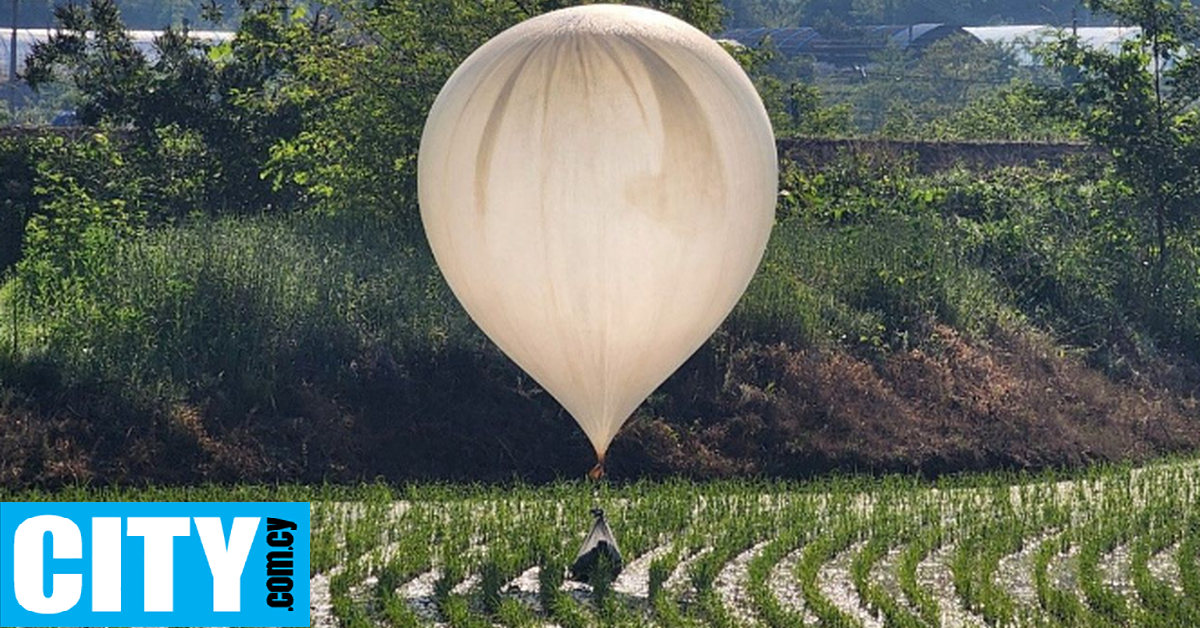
(899, 322)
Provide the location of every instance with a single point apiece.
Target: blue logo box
(154, 564)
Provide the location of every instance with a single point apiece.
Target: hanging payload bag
(599, 552)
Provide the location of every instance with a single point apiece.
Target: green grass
(865, 255)
(248, 307)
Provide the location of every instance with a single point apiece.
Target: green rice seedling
(660, 570)
(567, 613)
(453, 572)
(794, 519)
(665, 604)
(1188, 558)
(705, 571)
(1163, 605)
(865, 559)
(921, 599)
(396, 612)
(713, 611)
(1099, 540)
(410, 557)
(514, 614)
(767, 605)
(550, 580)
(1064, 608)
(366, 530)
(666, 611)
(977, 558)
(355, 617)
(885, 535)
(324, 542)
(602, 581)
(559, 606)
(815, 554)
(492, 578)
(1051, 599)
(347, 610)
(457, 611)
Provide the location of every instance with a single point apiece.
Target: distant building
(856, 46)
(1023, 40)
(142, 40)
(849, 47)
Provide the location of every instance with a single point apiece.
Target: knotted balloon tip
(597, 472)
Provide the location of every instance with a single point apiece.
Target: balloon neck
(597, 472)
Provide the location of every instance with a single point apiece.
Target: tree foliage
(364, 93)
(1141, 103)
(1017, 112)
(796, 106)
(216, 107)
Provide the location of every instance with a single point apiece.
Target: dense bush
(1018, 112)
(1056, 248)
(17, 203)
(204, 114)
(57, 187)
(881, 285)
(785, 13)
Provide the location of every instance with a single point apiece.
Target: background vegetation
(223, 275)
(153, 14)
(783, 13)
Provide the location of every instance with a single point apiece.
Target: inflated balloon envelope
(598, 185)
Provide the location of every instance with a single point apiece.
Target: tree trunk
(1160, 232)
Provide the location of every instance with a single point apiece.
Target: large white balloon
(598, 185)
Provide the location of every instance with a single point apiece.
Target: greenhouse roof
(142, 40)
(850, 46)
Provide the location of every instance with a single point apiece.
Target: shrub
(241, 306)
(17, 202)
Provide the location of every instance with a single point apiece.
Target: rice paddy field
(1113, 546)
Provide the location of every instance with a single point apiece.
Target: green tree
(1140, 103)
(1016, 113)
(903, 89)
(795, 105)
(214, 109)
(364, 93)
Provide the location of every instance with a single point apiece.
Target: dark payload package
(599, 553)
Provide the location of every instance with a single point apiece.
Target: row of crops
(1112, 547)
